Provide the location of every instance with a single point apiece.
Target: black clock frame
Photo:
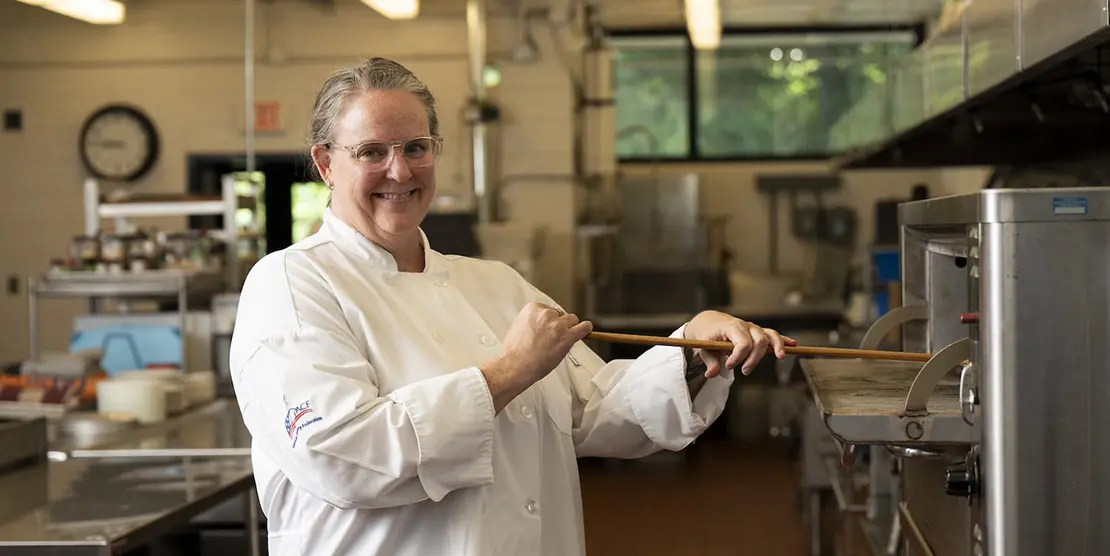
(153, 145)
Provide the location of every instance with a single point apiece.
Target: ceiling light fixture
(703, 22)
(97, 12)
(395, 9)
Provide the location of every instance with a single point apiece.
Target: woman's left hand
(750, 341)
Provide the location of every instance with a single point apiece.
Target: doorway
(293, 201)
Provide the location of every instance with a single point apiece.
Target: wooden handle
(727, 346)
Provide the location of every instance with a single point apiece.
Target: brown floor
(726, 499)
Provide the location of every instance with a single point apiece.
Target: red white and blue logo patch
(297, 418)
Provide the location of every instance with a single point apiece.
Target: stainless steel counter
(122, 491)
(108, 506)
(214, 430)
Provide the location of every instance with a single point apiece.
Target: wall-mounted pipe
(476, 46)
(485, 194)
(248, 80)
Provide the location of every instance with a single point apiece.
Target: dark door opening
(283, 174)
(294, 201)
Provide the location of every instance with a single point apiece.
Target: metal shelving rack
(177, 284)
(226, 205)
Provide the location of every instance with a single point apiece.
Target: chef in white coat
(403, 402)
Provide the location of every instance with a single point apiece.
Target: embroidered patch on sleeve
(297, 418)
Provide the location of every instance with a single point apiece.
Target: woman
(404, 402)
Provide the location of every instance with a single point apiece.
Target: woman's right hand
(538, 340)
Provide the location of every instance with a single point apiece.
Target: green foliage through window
(310, 200)
(651, 98)
(757, 96)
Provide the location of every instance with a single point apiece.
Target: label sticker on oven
(1069, 206)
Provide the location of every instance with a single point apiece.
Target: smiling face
(385, 201)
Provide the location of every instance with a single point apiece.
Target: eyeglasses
(419, 152)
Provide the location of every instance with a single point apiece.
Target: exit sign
(267, 117)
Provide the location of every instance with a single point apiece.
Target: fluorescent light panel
(395, 9)
(98, 12)
(703, 22)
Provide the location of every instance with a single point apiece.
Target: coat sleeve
(631, 408)
(310, 400)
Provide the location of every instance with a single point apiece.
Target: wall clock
(119, 143)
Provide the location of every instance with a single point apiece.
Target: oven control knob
(969, 318)
(958, 480)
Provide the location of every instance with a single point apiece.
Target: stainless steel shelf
(179, 284)
(164, 208)
(156, 283)
(227, 204)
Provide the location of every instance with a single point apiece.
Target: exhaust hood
(998, 82)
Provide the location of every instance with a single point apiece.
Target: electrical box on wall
(13, 120)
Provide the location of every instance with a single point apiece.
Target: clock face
(119, 143)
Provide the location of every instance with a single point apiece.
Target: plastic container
(142, 398)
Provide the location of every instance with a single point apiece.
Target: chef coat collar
(367, 250)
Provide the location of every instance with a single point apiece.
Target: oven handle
(967, 384)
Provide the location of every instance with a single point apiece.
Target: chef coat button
(487, 340)
(441, 282)
(530, 507)
(526, 412)
(437, 337)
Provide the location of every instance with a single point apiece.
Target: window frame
(918, 31)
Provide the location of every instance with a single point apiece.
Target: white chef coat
(374, 431)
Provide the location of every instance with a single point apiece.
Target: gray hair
(374, 74)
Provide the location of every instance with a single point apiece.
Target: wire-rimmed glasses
(419, 152)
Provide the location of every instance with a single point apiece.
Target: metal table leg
(815, 522)
(182, 317)
(252, 522)
(33, 318)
